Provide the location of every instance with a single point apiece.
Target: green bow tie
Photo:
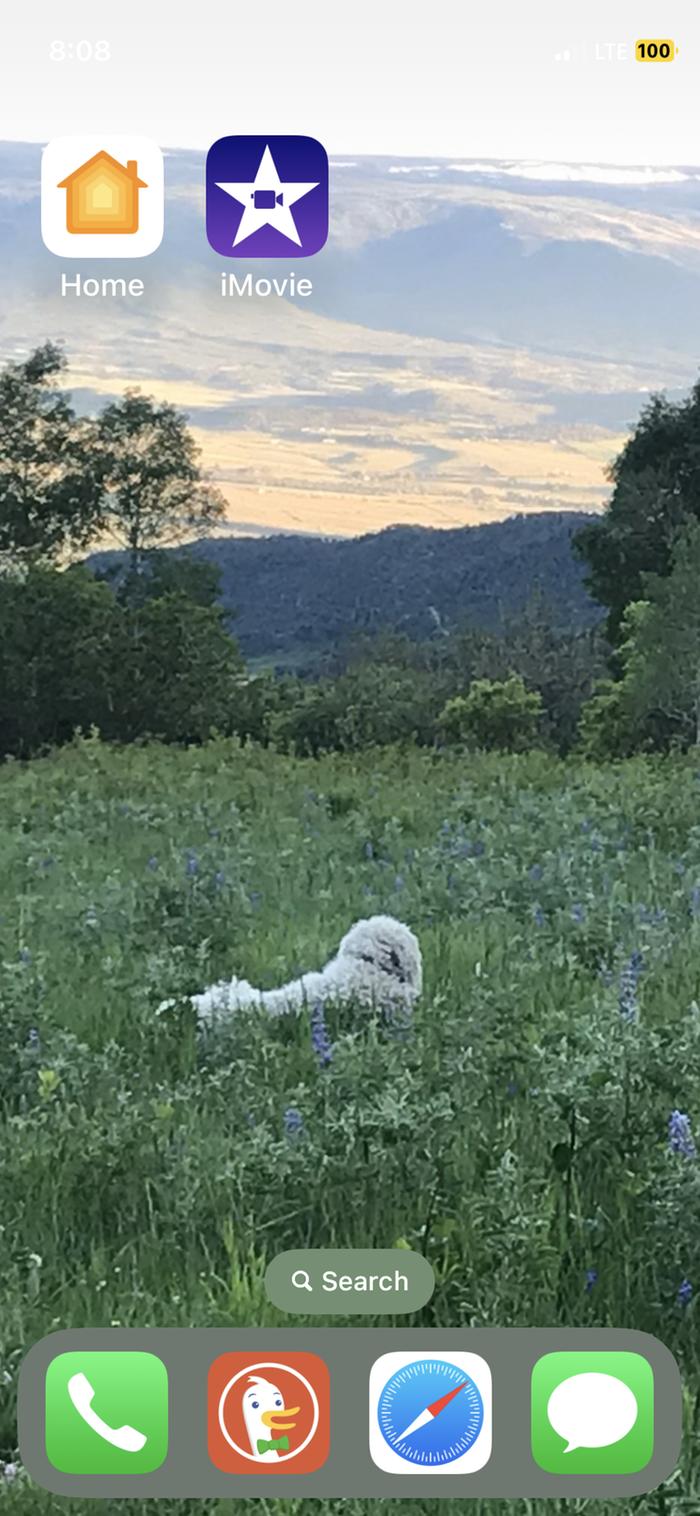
(279, 1444)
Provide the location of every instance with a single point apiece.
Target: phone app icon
(430, 1413)
(268, 1414)
(102, 197)
(267, 197)
(592, 1413)
(106, 1413)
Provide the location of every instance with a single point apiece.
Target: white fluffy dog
(378, 965)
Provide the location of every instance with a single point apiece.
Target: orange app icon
(268, 1414)
(102, 196)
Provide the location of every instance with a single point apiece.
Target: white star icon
(267, 186)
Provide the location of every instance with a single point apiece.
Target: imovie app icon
(267, 197)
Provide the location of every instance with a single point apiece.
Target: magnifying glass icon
(301, 1280)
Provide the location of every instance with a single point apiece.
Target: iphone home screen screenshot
(349, 757)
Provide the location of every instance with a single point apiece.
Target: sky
(396, 77)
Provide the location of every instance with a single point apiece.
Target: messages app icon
(592, 1413)
(106, 1413)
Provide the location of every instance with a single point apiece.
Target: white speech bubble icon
(592, 1410)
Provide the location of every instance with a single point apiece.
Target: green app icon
(106, 1413)
(592, 1413)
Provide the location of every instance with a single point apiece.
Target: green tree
(656, 490)
(605, 727)
(153, 489)
(164, 572)
(180, 672)
(58, 634)
(499, 714)
(661, 684)
(49, 482)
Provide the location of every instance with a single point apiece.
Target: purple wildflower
(152, 864)
(293, 1122)
(591, 1279)
(578, 914)
(538, 915)
(685, 1292)
(680, 1136)
(320, 1041)
(191, 864)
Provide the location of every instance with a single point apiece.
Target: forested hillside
(287, 593)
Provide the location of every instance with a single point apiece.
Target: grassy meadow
(517, 1131)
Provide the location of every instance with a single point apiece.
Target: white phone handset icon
(82, 1395)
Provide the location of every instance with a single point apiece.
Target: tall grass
(517, 1131)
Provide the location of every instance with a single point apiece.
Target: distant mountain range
(290, 597)
(479, 337)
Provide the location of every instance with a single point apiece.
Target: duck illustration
(267, 1419)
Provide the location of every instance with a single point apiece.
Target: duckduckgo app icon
(267, 197)
(102, 197)
(268, 1415)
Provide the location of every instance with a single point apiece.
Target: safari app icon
(592, 1413)
(267, 197)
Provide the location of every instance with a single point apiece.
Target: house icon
(103, 195)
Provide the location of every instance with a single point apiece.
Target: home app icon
(102, 197)
(268, 1413)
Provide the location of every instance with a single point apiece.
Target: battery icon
(655, 50)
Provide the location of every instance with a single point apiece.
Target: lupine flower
(191, 864)
(591, 1279)
(398, 882)
(152, 863)
(535, 872)
(680, 1136)
(685, 1292)
(629, 979)
(369, 850)
(320, 1041)
(293, 1122)
(25, 955)
(219, 879)
(578, 914)
(33, 1040)
(511, 1087)
(538, 915)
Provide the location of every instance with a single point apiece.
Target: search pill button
(349, 1281)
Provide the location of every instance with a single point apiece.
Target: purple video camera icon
(266, 200)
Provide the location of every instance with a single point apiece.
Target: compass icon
(430, 1413)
